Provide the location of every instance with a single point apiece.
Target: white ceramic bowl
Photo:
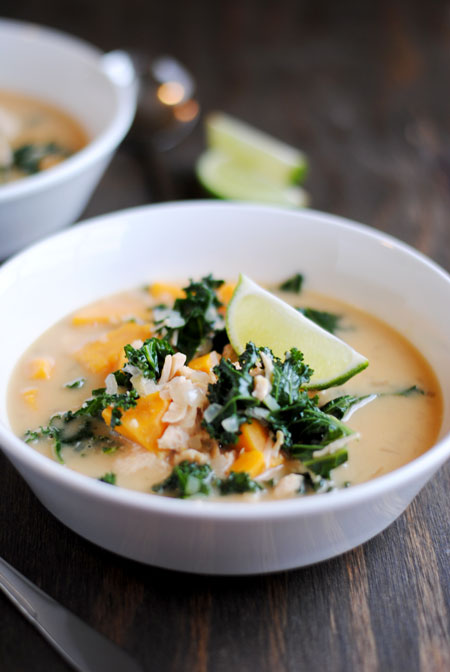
(76, 77)
(181, 240)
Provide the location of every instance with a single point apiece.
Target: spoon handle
(81, 646)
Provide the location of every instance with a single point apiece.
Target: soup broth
(34, 136)
(395, 419)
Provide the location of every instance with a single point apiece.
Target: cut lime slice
(256, 150)
(256, 315)
(224, 177)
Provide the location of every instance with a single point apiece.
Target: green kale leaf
(323, 464)
(28, 157)
(75, 384)
(293, 284)
(341, 405)
(109, 477)
(100, 400)
(187, 479)
(409, 391)
(326, 320)
(288, 408)
(237, 483)
(231, 397)
(288, 376)
(149, 358)
(194, 319)
(71, 430)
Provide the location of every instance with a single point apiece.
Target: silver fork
(81, 646)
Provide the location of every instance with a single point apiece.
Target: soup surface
(210, 424)
(34, 136)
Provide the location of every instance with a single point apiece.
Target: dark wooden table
(364, 91)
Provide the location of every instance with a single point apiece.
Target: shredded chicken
(221, 462)
(172, 364)
(261, 387)
(192, 456)
(288, 486)
(268, 366)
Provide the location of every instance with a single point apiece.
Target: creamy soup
(165, 423)
(34, 136)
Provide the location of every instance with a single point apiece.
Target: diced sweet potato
(143, 423)
(30, 397)
(225, 292)
(253, 436)
(106, 355)
(205, 363)
(110, 313)
(251, 461)
(166, 292)
(41, 368)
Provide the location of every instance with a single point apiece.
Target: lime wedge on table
(224, 177)
(256, 315)
(254, 149)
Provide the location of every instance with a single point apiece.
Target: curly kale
(150, 357)
(100, 400)
(28, 157)
(237, 483)
(326, 320)
(193, 319)
(187, 479)
(289, 408)
(293, 284)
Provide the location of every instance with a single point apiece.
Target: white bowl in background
(132, 247)
(76, 77)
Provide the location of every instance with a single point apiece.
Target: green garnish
(293, 284)
(187, 479)
(237, 483)
(150, 357)
(323, 465)
(75, 384)
(63, 430)
(28, 157)
(193, 319)
(100, 400)
(326, 320)
(109, 477)
(341, 405)
(409, 391)
(288, 408)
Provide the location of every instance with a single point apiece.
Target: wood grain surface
(363, 89)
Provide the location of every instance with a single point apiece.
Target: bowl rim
(105, 141)
(411, 472)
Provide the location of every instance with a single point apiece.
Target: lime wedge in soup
(256, 315)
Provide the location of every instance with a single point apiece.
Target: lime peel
(256, 315)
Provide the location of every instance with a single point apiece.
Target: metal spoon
(81, 646)
(167, 111)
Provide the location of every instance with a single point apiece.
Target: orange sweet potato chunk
(41, 368)
(109, 313)
(253, 436)
(143, 423)
(205, 363)
(225, 292)
(165, 291)
(251, 461)
(30, 397)
(106, 355)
